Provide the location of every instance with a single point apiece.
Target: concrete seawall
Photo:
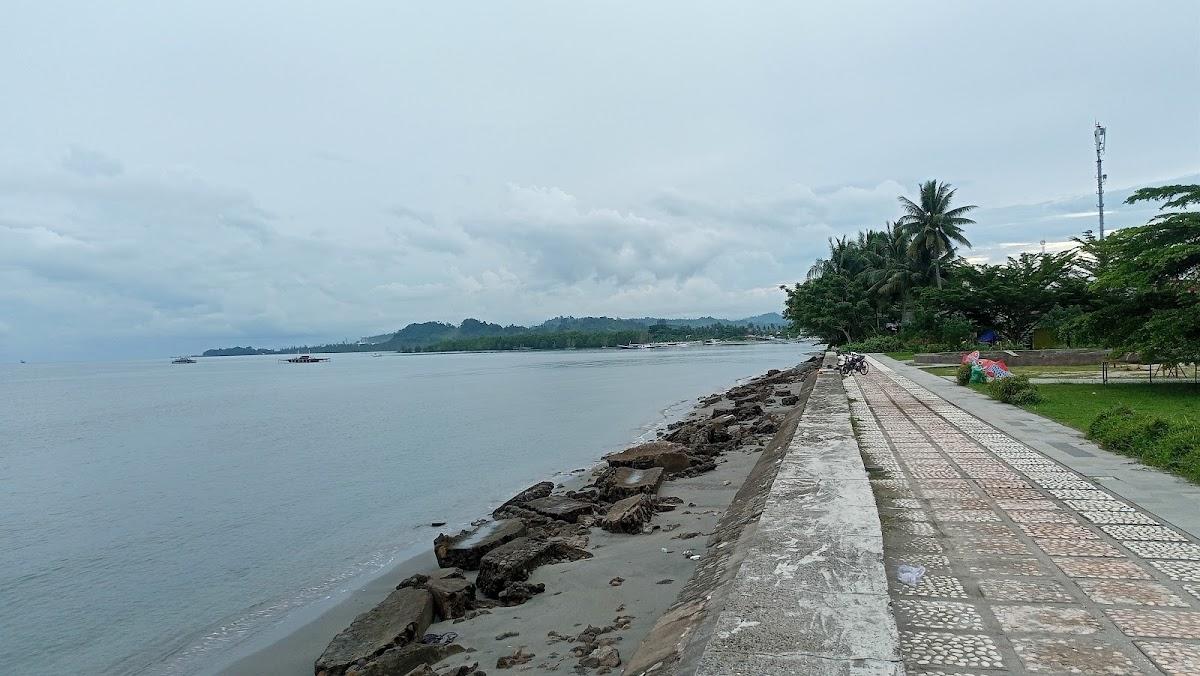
(806, 591)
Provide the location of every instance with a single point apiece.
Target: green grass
(900, 356)
(1032, 371)
(1078, 405)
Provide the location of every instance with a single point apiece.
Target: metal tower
(1100, 175)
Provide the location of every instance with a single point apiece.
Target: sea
(157, 517)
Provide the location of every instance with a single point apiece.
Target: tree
(1150, 281)
(933, 227)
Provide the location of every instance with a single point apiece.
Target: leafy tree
(933, 226)
(1150, 281)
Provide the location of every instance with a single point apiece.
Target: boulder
(468, 547)
(790, 400)
(399, 620)
(560, 507)
(409, 659)
(514, 561)
(516, 593)
(452, 596)
(619, 483)
(538, 490)
(604, 656)
(671, 457)
(629, 515)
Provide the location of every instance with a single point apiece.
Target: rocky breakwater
(493, 564)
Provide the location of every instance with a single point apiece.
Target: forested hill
(556, 333)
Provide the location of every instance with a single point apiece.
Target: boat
(183, 360)
(306, 359)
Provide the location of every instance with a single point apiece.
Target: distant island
(559, 333)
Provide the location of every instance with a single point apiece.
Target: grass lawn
(1032, 371)
(1077, 405)
(900, 356)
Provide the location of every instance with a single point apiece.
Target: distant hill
(477, 328)
(567, 330)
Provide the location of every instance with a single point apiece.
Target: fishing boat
(183, 360)
(305, 359)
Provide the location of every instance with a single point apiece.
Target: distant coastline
(560, 333)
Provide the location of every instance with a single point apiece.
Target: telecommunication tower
(1101, 177)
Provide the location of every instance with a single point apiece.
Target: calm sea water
(154, 516)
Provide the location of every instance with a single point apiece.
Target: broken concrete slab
(406, 660)
(670, 456)
(452, 596)
(468, 547)
(514, 561)
(629, 515)
(397, 621)
(560, 507)
(619, 483)
(538, 490)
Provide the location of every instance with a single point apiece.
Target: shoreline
(292, 646)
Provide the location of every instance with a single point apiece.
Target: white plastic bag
(910, 575)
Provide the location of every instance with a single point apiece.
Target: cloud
(90, 163)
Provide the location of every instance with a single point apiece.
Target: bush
(1173, 446)
(878, 344)
(1015, 390)
(963, 375)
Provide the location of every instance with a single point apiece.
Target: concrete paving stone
(940, 586)
(1046, 620)
(1058, 530)
(1119, 569)
(1075, 494)
(1130, 593)
(1041, 516)
(1147, 623)
(1025, 590)
(971, 515)
(948, 493)
(1098, 506)
(959, 503)
(1187, 571)
(1119, 517)
(989, 544)
(822, 494)
(931, 562)
(918, 544)
(1056, 547)
(943, 649)
(1027, 505)
(902, 503)
(1139, 532)
(1014, 493)
(1172, 658)
(923, 614)
(1193, 589)
(918, 528)
(851, 565)
(1164, 550)
(897, 515)
(995, 484)
(967, 529)
(1006, 566)
(1074, 656)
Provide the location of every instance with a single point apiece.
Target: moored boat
(183, 360)
(306, 359)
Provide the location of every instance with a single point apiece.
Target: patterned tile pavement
(1031, 567)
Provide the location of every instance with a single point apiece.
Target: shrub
(963, 375)
(1016, 390)
(877, 344)
(1129, 433)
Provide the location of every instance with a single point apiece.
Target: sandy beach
(612, 598)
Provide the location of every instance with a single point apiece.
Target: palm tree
(896, 273)
(933, 226)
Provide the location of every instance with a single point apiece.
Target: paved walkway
(1030, 566)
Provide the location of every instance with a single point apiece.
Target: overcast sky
(182, 175)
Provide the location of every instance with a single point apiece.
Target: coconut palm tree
(933, 226)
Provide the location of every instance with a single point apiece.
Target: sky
(184, 175)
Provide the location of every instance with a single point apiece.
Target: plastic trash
(910, 575)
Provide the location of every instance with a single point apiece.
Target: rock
(616, 581)
(790, 400)
(470, 669)
(514, 561)
(629, 515)
(399, 620)
(671, 457)
(410, 659)
(507, 634)
(468, 547)
(438, 524)
(423, 670)
(619, 483)
(604, 656)
(520, 657)
(452, 596)
(516, 593)
(560, 507)
(665, 581)
(538, 490)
